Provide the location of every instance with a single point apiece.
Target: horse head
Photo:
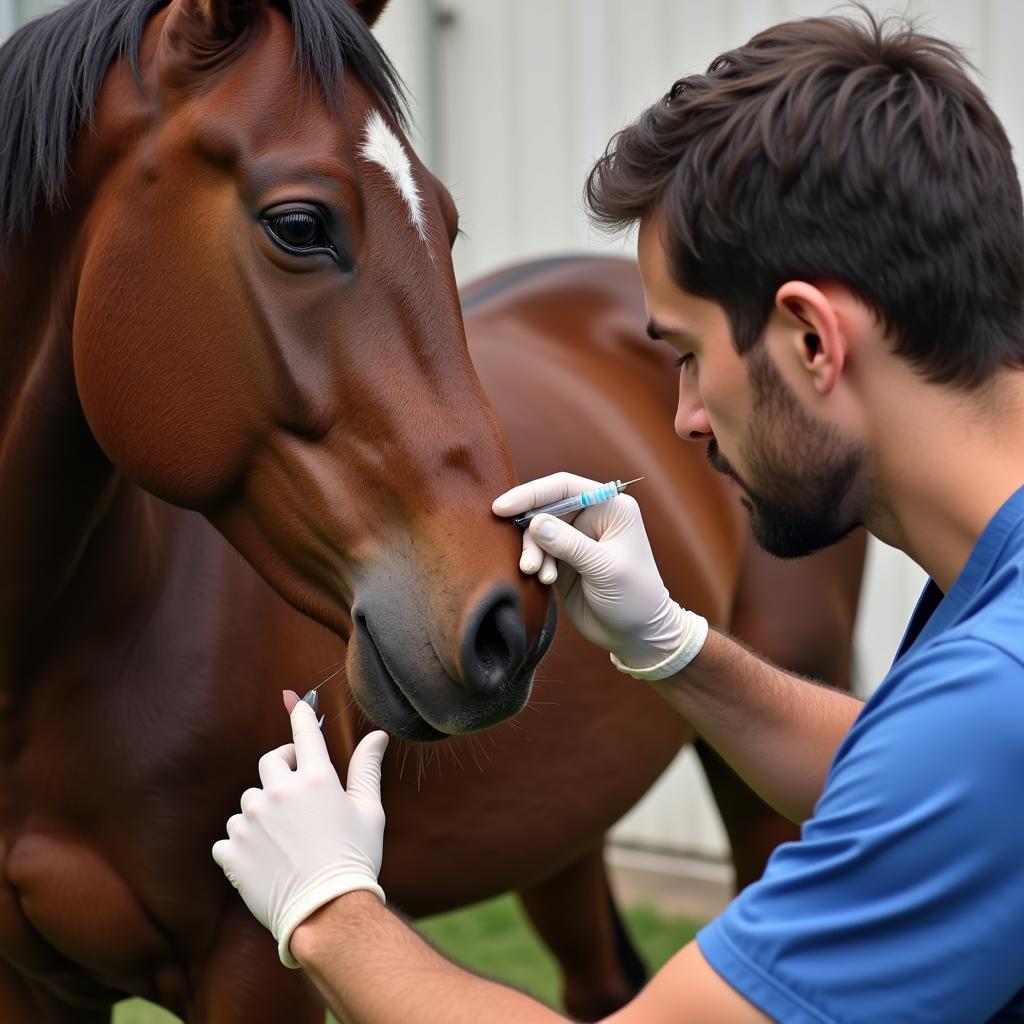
(267, 330)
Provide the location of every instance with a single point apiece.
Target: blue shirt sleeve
(904, 899)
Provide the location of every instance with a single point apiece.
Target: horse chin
(390, 706)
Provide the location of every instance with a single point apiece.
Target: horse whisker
(338, 666)
(483, 750)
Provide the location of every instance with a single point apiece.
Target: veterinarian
(831, 238)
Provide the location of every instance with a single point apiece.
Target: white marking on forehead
(381, 146)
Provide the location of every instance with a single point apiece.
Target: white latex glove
(606, 576)
(302, 840)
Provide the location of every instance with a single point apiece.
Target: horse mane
(51, 70)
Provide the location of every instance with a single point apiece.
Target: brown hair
(843, 149)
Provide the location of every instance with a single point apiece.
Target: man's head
(828, 159)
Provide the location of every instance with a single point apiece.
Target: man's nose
(692, 423)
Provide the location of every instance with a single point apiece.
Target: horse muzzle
(412, 687)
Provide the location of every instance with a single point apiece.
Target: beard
(801, 470)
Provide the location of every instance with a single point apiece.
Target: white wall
(8, 18)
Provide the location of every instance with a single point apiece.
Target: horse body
(231, 465)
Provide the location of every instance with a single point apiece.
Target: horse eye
(298, 231)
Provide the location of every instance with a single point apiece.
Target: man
(831, 238)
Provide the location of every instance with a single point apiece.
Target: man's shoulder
(991, 635)
(956, 699)
(996, 617)
(973, 669)
(989, 628)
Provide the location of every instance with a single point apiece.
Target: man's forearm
(778, 731)
(372, 968)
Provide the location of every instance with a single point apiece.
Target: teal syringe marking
(577, 501)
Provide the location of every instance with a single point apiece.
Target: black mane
(52, 68)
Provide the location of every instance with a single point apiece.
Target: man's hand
(302, 839)
(606, 574)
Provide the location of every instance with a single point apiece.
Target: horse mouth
(376, 687)
(385, 703)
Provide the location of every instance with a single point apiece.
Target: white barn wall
(8, 18)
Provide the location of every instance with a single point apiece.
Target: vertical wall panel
(750, 17)
(543, 126)
(406, 31)
(634, 62)
(694, 34)
(1003, 70)
(594, 34)
(25, 9)
(8, 19)
(477, 106)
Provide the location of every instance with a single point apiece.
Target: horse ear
(198, 31)
(369, 9)
(227, 17)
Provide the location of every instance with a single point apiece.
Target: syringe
(577, 501)
(312, 698)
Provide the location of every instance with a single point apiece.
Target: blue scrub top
(903, 901)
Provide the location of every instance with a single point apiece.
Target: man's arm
(305, 854)
(371, 968)
(777, 730)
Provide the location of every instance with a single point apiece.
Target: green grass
(495, 939)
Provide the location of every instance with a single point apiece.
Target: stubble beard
(801, 470)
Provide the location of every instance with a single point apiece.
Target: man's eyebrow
(662, 332)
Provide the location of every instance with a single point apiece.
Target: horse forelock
(52, 68)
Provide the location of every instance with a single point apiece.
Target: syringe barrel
(555, 508)
(572, 504)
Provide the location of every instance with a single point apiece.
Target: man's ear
(370, 10)
(814, 332)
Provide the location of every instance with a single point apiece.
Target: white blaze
(381, 146)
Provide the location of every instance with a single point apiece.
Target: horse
(244, 447)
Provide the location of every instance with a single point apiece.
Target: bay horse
(243, 446)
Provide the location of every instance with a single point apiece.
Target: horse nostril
(494, 645)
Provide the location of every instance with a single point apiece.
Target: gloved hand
(302, 840)
(606, 577)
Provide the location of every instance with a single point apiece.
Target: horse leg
(753, 828)
(23, 1003)
(575, 915)
(799, 615)
(242, 981)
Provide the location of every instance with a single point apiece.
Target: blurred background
(513, 100)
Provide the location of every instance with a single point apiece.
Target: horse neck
(59, 491)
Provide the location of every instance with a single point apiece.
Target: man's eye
(300, 232)
(682, 361)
